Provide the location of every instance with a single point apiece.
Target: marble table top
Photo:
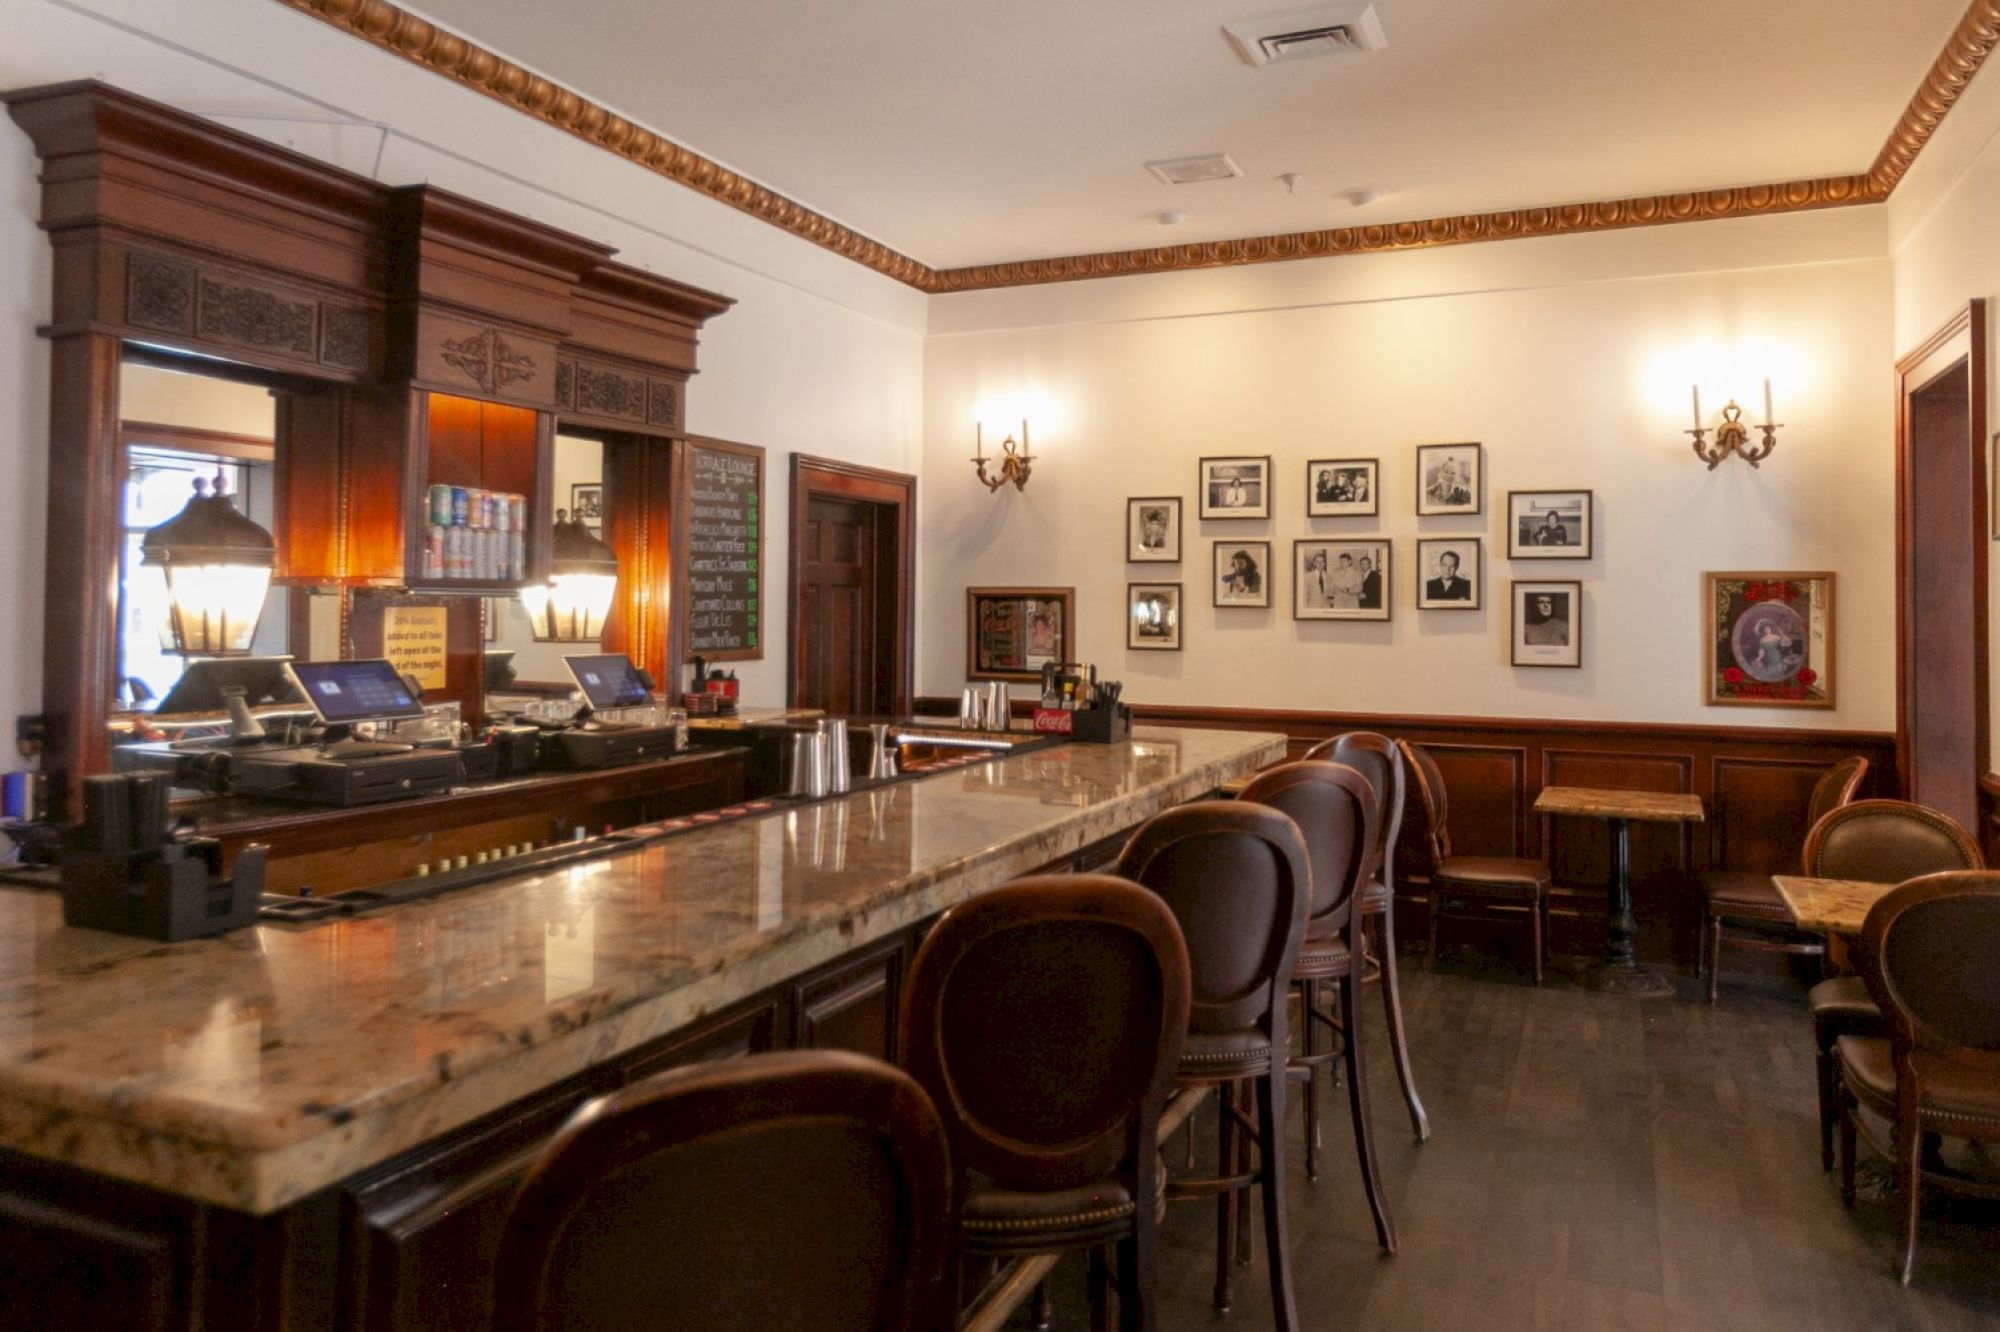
(1829, 906)
(255, 1068)
(1644, 806)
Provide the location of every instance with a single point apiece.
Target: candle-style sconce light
(1014, 459)
(1733, 435)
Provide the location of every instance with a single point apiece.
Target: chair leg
(1846, 1112)
(1045, 1313)
(1909, 1176)
(1714, 954)
(1537, 919)
(1225, 1203)
(1308, 1007)
(1138, 1273)
(1349, 987)
(1436, 906)
(1277, 1234)
(1392, 1012)
(1097, 1282)
(1828, 1108)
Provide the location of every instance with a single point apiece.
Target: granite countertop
(255, 1068)
(1829, 906)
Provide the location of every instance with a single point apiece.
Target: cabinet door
(750, 1031)
(854, 1004)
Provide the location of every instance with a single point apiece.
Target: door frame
(834, 479)
(1961, 339)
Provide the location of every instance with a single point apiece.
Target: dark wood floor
(1594, 1163)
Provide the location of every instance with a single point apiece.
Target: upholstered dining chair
(1871, 841)
(1239, 881)
(1476, 880)
(649, 1199)
(1046, 1020)
(1926, 955)
(1334, 807)
(1743, 908)
(1377, 758)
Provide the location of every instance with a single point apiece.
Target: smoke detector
(1306, 33)
(1194, 170)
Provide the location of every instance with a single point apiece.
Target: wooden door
(1941, 705)
(838, 607)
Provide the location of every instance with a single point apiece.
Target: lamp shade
(218, 569)
(583, 578)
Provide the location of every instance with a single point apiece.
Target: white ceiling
(964, 133)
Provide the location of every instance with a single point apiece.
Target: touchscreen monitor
(608, 681)
(342, 692)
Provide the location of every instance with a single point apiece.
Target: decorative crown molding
(401, 33)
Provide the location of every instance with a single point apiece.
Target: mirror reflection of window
(579, 488)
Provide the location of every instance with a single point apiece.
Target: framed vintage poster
(1011, 631)
(1449, 573)
(1547, 623)
(1769, 639)
(1153, 530)
(1340, 580)
(1343, 488)
(1550, 525)
(1235, 487)
(1450, 479)
(1241, 573)
(1153, 616)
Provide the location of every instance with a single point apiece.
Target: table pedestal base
(1620, 972)
(1627, 978)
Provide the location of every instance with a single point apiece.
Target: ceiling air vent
(1304, 34)
(1193, 170)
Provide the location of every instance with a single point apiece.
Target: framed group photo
(1242, 573)
(1340, 580)
(1235, 487)
(1770, 639)
(1450, 479)
(1448, 573)
(1547, 623)
(1343, 488)
(1550, 525)
(1153, 617)
(1153, 530)
(1011, 631)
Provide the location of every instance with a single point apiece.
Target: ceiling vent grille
(1305, 34)
(1194, 170)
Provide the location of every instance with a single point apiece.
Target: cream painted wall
(1564, 357)
(818, 354)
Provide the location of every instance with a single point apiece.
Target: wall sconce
(1015, 460)
(583, 577)
(1732, 436)
(218, 568)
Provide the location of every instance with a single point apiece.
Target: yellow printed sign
(413, 639)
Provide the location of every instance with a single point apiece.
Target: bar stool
(1474, 878)
(1334, 807)
(1871, 841)
(803, 1189)
(1377, 758)
(1238, 880)
(1045, 1019)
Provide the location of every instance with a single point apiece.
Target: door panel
(838, 606)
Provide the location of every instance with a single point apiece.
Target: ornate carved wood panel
(597, 393)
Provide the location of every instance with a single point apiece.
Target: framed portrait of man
(1449, 572)
(1343, 488)
(1235, 487)
(1769, 639)
(1550, 525)
(1547, 627)
(1450, 479)
(1241, 575)
(1153, 617)
(1153, 530)
(1340, 580)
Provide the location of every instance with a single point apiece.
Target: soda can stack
(470, 533)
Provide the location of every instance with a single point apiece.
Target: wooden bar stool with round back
(1045, 1018)
(802, 1189)
(1334, 807)
(1237, 878)
(1870, 841)
(1377, 758)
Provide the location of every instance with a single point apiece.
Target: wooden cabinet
(856, 1004)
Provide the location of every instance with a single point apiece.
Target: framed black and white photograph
(1449, 573)
(1550, 525)
(1242, 573)
(1449, 479)
(1153, 530)
(1153, 616)
(1343, 488)
(1340, 580)
(586, 506)
(1547, 623)
(1235, 487)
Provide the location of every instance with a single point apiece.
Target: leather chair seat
(1002, 1221)
(1950, 1091)
(1492, 874)
(1224, 1056)
(1842, 1005)
(1323, 959)
(1740, 895)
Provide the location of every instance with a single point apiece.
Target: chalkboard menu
(720, 522)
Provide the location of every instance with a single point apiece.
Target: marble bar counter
(253, 1070)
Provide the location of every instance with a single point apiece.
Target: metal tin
(461, 506)
(438, 502)
(517, 514)
(434, 543)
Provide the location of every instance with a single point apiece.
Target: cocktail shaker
(999, 708)
(972, 709)
(808, 765)
(833, 736)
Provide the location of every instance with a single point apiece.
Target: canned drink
(454, 551)
(517, 555)
(517, 514)
(461, 506)
(489, 506)
(439, 505)
(434, 549)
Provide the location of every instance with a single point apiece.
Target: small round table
(1620, 971)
